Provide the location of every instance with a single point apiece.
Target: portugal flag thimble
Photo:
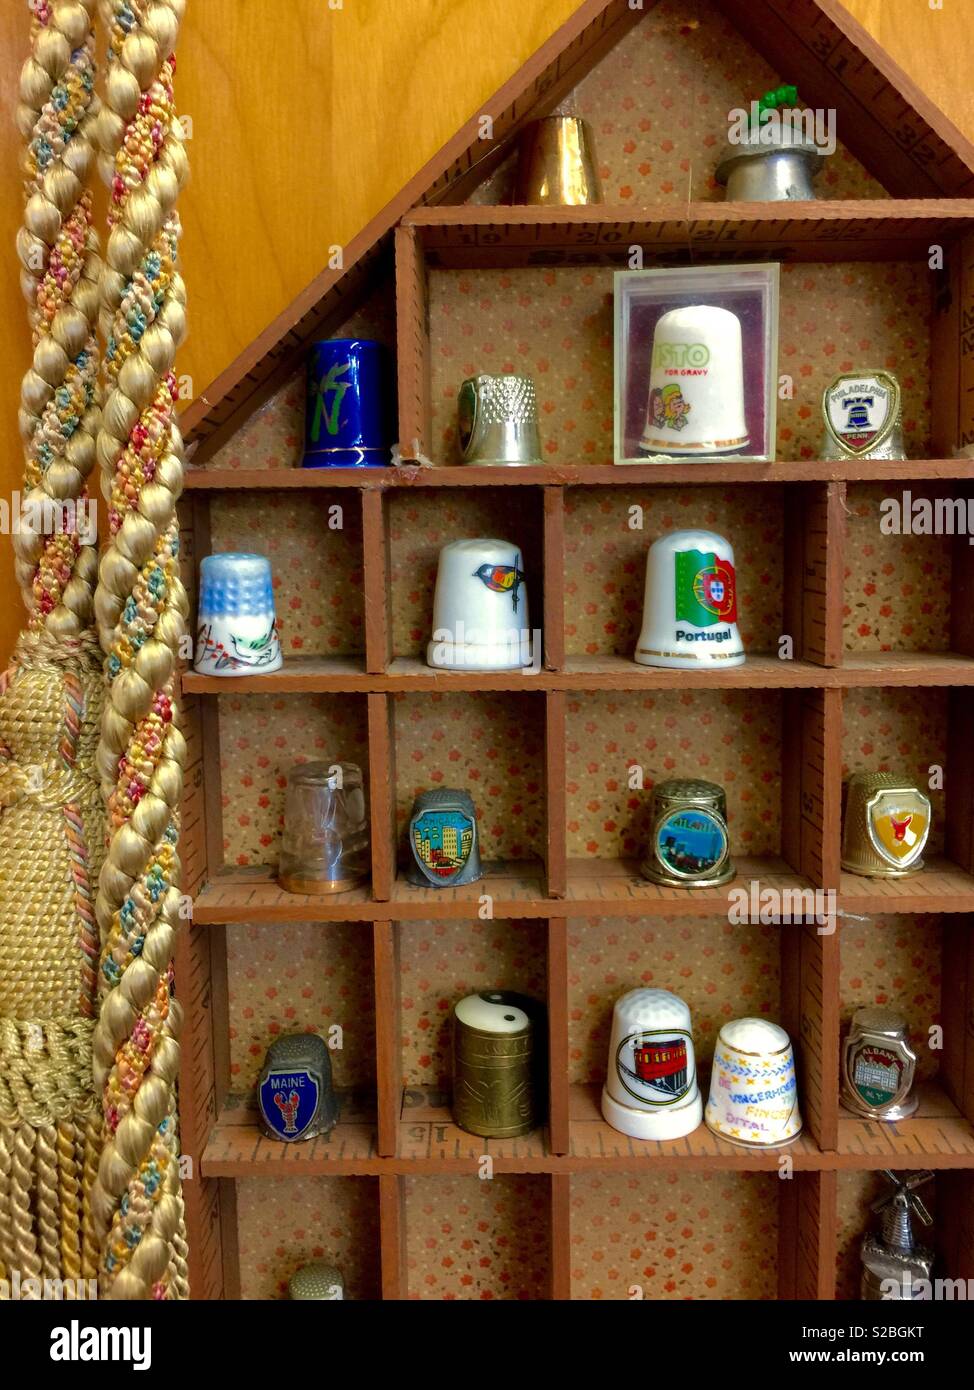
(690, 603)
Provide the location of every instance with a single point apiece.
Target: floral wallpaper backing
(897, 588)
(481, 1240)
(674, 1235)
(301, 978)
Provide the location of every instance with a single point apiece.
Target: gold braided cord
(140, 608)
(51, 814)
(59, 276)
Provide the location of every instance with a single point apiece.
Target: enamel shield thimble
(295, 1095)
(318, 1282)
(696, 384)
(690, 603)
(862, 416)
(878, 1066)
(651, 1084)
(443, 842)
(493, 1065)
(325, 843)
(480, 608)
(753, 1090)
(236, 633)
(497, 421)
(886, 824)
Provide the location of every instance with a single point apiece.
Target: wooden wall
(307, 119)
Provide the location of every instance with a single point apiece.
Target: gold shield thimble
(887, 821)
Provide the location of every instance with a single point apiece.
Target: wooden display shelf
(936, 1137)
(410, 1132)
(237, 1148)
(761, 671)
(869, 229)
(940, 886)
(718, 472)
(595, 888)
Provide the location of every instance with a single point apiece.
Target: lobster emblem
(289, 1110)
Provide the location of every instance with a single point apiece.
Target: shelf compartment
(658, 1236)
(290, 1220)
(468, 1239)
(921, 965)
(937, 1136)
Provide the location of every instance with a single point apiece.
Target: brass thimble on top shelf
(886, 824)
(555, 163)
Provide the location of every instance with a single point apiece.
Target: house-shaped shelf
(881, 674)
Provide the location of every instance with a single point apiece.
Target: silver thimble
(497, 421)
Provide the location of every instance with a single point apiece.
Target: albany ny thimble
(753, 1090)
(690, 603)
(236, 632)
(878, 1066)
(480, 608)
(497, 421)
(651, 1085)
(886, 824)
(295, 1095)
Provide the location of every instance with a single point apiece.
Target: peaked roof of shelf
(896, 132)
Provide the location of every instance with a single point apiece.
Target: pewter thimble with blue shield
(236, 633)
(295, 1095)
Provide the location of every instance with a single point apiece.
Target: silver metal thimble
(497, 421)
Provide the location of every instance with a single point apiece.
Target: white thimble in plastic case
(651, 1087)
(690, 603)
(696, 384)
(480, 609)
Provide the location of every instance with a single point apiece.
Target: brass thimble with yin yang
(886, 824)
(497, 421)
